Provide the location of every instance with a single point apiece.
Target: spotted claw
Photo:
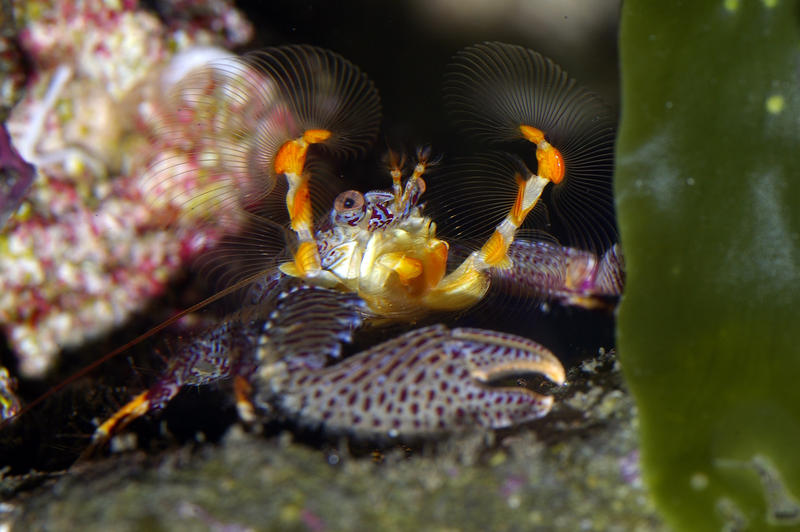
(427, 381)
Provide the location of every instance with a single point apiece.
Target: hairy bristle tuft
(224, 122)
(323, 91)
(469, 196)
(491, 89)
(259, 246)
(263, 238)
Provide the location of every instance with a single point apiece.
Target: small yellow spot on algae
(775, 104)
(731, 5)
(770, 3)
(699, 481)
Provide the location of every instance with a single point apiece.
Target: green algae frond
(708, 191)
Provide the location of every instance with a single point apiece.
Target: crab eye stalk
(349, 208)
(502, 94)
(418, 189)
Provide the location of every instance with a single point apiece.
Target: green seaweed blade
(708, 192)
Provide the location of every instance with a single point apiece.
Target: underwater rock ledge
(580, 473)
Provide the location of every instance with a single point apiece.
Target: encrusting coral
(86, 248)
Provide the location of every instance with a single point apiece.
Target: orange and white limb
(468, 283)
(290, 161)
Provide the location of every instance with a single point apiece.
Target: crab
(375, 258)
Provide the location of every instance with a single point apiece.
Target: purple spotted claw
(427, 381)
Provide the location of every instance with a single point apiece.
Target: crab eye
(349, 208)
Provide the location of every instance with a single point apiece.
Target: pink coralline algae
(89, 246)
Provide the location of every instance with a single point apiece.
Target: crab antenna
(415, 185)
(329, 102)
(395, 163)
(501, 93)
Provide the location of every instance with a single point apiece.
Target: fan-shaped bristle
(223, 123)
(492, 89)
(263, 238)
(469, 196)
(226, 121)
(323, 91)
(258, 247)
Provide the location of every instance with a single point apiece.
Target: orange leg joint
(243, 391)
(406, 268)
(435, 263)
(494, 250)
(137, 407)
(518, 213)
(551, 162)
(306, 260)
(533, 134)
(315, 136)
(291, 157)
(290, 161)
(298, 202)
